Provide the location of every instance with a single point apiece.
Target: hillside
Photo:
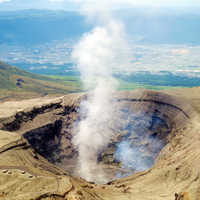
(19, 84)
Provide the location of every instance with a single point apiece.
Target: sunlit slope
(16, 83)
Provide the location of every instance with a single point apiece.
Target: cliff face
(38, 158)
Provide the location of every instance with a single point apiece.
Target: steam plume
(99, 54)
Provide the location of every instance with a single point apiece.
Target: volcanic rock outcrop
(37, 158)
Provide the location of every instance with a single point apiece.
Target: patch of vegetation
(127, 85)
(17, 84)
(14, 82)
(163, 79)
(124, 84)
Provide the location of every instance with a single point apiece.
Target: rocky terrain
(38, 158)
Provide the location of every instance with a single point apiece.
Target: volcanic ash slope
(37, 154)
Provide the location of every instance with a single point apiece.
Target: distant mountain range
(31, 27)
(16, 83)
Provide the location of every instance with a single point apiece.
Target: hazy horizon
(74, 5)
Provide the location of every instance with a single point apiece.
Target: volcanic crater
(145, 120)
(39, 161)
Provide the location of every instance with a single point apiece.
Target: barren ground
(29, 169)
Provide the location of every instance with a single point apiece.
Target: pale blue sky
(74, 4)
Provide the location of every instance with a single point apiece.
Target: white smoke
(137, 157)
(99, 54)
(102, 52)
(133, 159)
(93, 133)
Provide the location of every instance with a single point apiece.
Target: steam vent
(154, 153)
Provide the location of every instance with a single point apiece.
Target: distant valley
(165, 46)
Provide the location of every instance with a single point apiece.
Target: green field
(19, 84)
(33, 85)
(75, 81)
